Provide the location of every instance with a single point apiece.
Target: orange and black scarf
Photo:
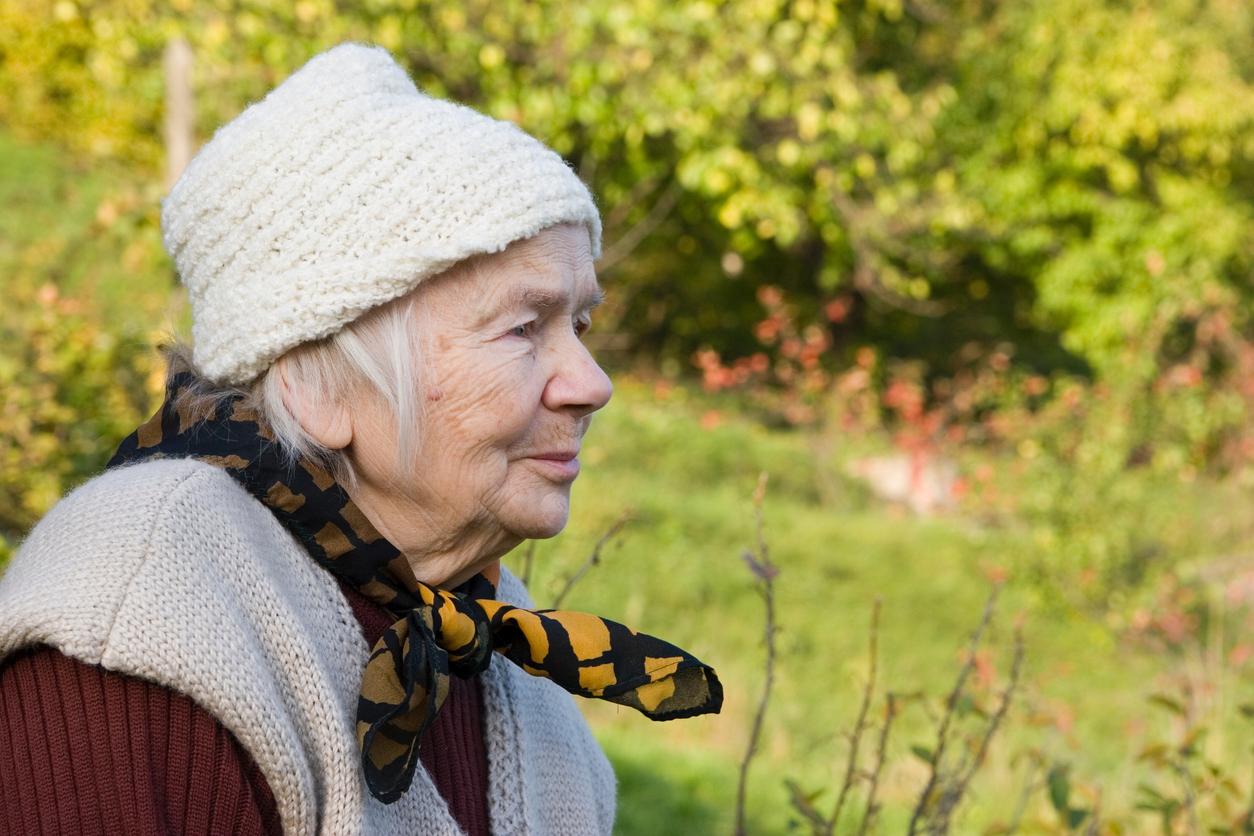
(438, 632)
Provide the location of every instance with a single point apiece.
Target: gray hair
(377, 355)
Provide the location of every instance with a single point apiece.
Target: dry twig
(764, 571)
(855, 741)
(528, 562)
(890, 713)
(1030, 786)
(593, 559)
(951, 703)
(959, 787)
(1095, 818)
(657, 213)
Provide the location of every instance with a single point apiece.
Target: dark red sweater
(85, 750)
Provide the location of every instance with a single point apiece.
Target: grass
(676, 571)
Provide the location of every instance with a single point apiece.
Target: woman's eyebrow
(543, 299)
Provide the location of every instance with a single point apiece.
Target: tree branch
(621, 248)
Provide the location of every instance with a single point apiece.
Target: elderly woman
(277, 609)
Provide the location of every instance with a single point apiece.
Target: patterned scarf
(438, 632)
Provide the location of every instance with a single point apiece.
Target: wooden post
(179, 112)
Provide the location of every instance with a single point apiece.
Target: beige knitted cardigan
(168, 570)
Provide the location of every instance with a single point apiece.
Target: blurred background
(969, 281)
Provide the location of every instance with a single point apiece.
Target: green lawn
(676, 570)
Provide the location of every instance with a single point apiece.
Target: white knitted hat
(343, 189)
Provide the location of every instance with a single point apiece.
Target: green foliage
(1017, 232)
(1071, 177)
(1121, 137)
(72, 390)
(1187, 789)
(76, 367)
(662, 791)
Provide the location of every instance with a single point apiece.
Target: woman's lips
(564, 468)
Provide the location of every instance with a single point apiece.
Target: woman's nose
(578, 383)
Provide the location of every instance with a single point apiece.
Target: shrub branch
(855, 740)
(951, 703)
(764, 571)
(872, 809)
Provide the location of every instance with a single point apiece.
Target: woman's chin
(546, 518)
(546, 529)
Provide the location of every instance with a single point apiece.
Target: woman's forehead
(480, 295)
(554, 268)
(565, 246)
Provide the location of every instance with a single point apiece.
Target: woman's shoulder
(160, 530)
(123, 508)
(170, 572)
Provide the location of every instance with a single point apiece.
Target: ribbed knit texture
(170, 572)
(453, 754)
(84, 751)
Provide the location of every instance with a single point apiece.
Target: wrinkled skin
(506, 381)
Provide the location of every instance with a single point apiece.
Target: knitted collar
(438, 632)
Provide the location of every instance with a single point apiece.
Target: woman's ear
(326, 422)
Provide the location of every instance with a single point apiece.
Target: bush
(72, 391)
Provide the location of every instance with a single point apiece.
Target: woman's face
(510, 392)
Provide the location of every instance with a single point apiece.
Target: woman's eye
(526, 328)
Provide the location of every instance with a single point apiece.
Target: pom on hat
(342, 189)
